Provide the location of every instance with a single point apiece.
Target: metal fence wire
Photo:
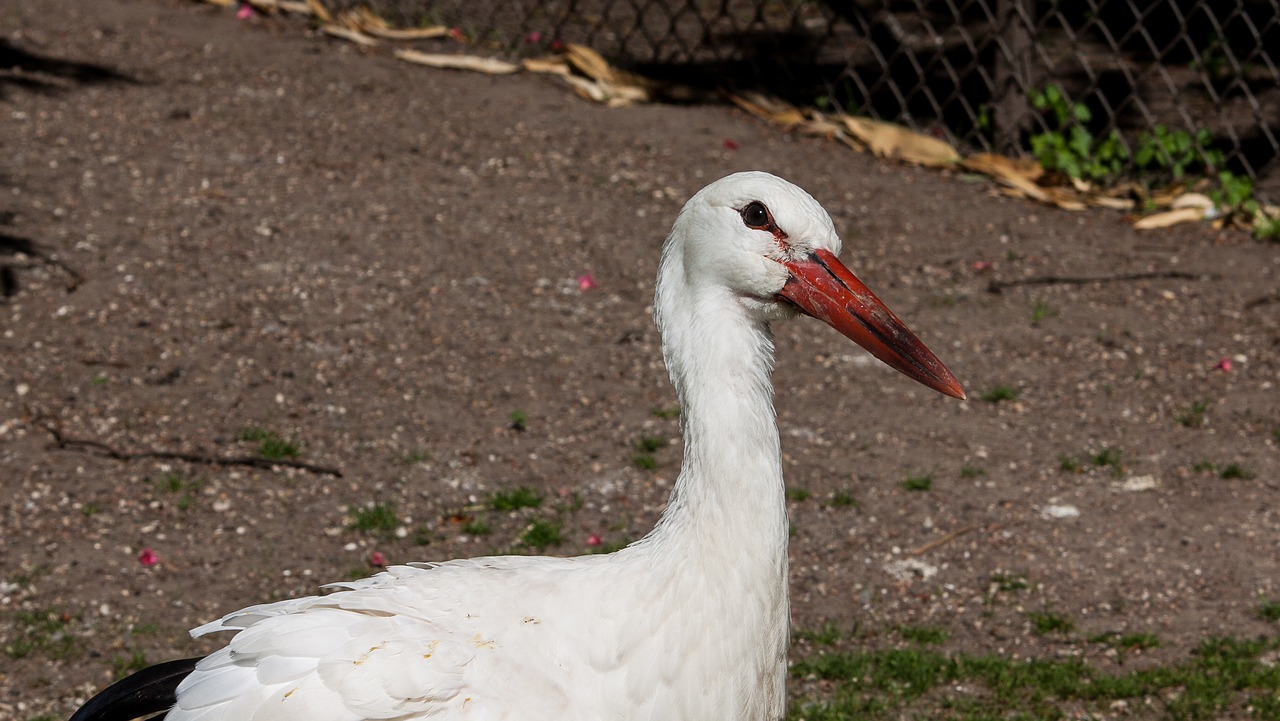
(1159, 87)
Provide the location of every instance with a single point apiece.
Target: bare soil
(210, 225)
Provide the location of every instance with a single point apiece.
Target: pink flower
(245, 12)
(730, 145)
(979, 266)
(557, 45)
(594, 540)
(586, 282)
(1225, 365)
(533, 37)
(457, 34)
(377, 560)
(148, 557)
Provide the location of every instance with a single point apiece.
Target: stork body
(688, 624)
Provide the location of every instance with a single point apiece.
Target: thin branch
(921, 550)
(1262, 300)
(996, 286)
(68, 443)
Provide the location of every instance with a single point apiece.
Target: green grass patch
(1068, 464)
(843, 498)
(798, 494)
(1269, 610)
(644, 461)
(1001, 393)
(1222, 678)
(967, 471)
(1234, 471)
(1010, 582)
(45, 632)
(124, 664)
(1046, 622)
(1193, 415)
(543, 533)
(923, 482)
(375, 518)
(669, 413)
(924, 634)
(271, 445)
(826, 635)
(515, 499)
(476, 527)
(519, 420)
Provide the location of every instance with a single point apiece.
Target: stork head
(774, 248)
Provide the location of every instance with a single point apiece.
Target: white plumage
(689, 623)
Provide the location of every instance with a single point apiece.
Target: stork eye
(756, 216)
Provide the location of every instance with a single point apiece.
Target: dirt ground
(211, 226)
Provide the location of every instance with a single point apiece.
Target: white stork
(689, 623)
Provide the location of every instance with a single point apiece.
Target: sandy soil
(381, 263)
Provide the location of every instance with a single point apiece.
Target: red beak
(821, 287)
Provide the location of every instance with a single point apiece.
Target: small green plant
(542, 533)
(270, 444)
(1193, 416)
(1204, 466)
(1009, 582)
(1068, 464)
(519, 420)
(44, 630)
(1235, 471)
(1046, 622)
(798, 494)
(826, 635)
(91, 509)
(1040, 311)
(1269, 609)
(843, 498)
(649, 444)
(967, 471)
(924, 634)
(921, 482)
(375, 518)
(644, 461)
(1106, 457)
(1068, 146)
(1001, 393)
(515, 499)
(476, 527)
(669, 413)
(125, 665)
(101, 379)
(415, 457)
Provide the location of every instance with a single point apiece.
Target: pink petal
(978, 266)
(586, 282)
(533, 37)
(1225, 365)
(557, 45)
(594, 540)
(730, 145)
(148, 557)
(244, 13)
(457, 34)
(377, 560)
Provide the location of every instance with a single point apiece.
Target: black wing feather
(146, 692)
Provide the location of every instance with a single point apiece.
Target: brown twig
(1262, 300)
(68, 443)
(920, 551)
(996, 286)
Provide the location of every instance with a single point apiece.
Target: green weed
(923, 482)
(1040, 311)
(1045, 622)
(924, 634)
(669, 413)
(1193, 416)
(967, 471)
(375, 518)
(1001, 393)
(843, 498)
(515, 499)
(827, 635)
(1233, 471)
(542, 533)
(798, 494)
(519, 420)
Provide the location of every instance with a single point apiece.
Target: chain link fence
(1152, 88)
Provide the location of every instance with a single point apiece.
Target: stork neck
(730, 487)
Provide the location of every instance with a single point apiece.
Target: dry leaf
(771, 109)
(408, 33)
(221, 3)
(490, 66)
(1169, 217)
(553, 65)
(895, 141)
(1104, 201)
(354, 36)
(319, 11)
(361, 18)
(1192, 200)
(1010, 172)
(589, 62)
